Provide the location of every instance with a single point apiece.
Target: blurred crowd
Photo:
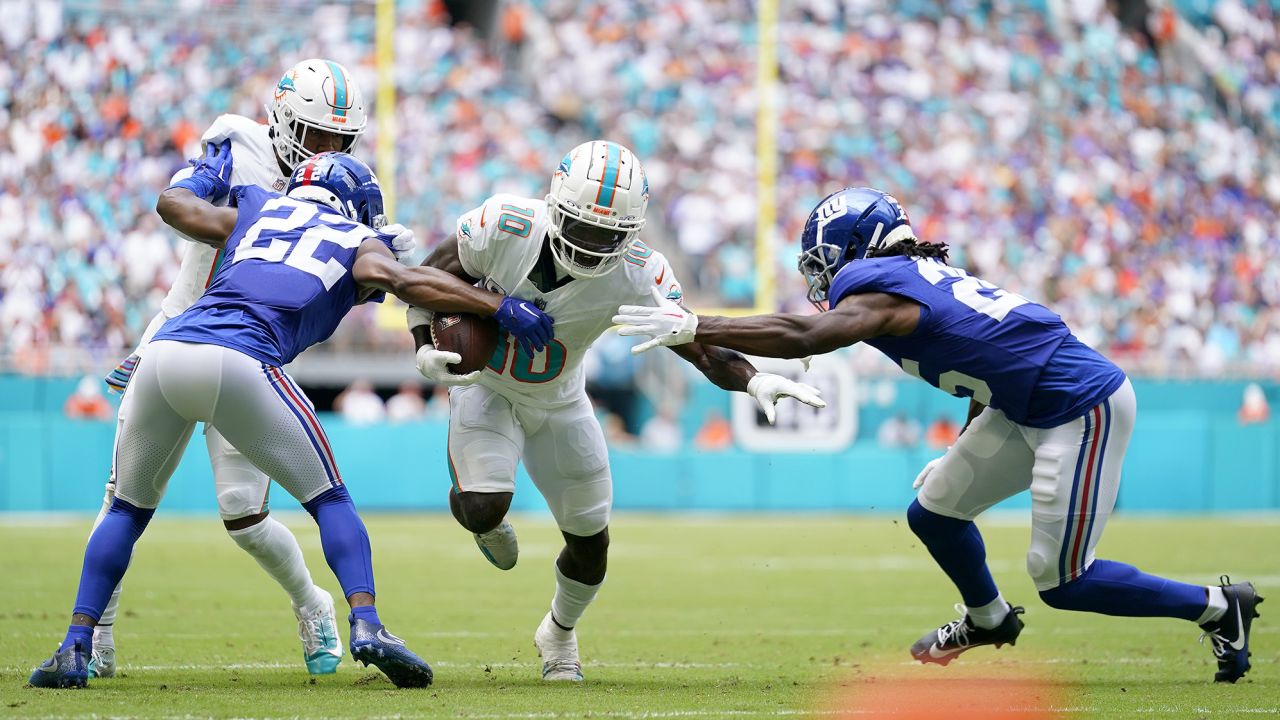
(1060, 154)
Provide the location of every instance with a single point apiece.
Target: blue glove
(522, 319)
(117, 380)
(211, 178)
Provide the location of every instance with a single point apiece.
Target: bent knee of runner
(244, 522)
(479, 512)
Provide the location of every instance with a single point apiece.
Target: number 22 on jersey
(982, 297)
(303, 255)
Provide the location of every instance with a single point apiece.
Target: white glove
(924, 474)
(766, 389)
(666, 323)
(417, 317)
(432, 362)
(401, 239)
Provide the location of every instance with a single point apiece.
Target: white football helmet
(314, 95)
(596, 207)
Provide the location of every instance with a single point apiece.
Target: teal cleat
(102, 663)
(68, 668)
(500, 546)
(318, 631)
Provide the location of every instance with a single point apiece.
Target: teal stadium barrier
(1189, 454)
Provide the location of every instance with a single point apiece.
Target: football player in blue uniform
(1047, 413)
(293, 266)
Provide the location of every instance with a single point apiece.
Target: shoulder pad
(229, 126)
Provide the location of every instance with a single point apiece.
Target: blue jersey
(284, 282)
(976, 340)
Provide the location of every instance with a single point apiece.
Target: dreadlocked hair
(912, 248)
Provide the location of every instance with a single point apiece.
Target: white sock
(570, 601)
(102, 636)
(277, 551)
(1217, 606)
(990, 615)
(109, 613)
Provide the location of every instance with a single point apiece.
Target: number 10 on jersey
(544, 366)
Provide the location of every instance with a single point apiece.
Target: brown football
(471, 336)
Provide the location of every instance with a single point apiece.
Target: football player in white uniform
(576, 254)
(316, 107)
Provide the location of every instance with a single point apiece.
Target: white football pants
(1073, 471)
(251, 407)
(563, 450)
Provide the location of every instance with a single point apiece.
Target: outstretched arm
(196, 218)
(728, 370)
(443, 258)
(856, 318)
(425, 287)
(725, 369)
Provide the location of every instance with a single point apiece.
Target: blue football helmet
(342, 182)
(842, 228)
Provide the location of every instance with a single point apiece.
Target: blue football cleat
(371, 644)
(1230, 633)
(68, 668)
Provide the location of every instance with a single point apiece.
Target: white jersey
(500, 243)
(253, 163)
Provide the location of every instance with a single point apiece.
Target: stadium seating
(1062, 157)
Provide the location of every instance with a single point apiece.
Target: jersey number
(954, 382)
(516, 224)
(543, 367)
(303, 255)
(980, 295)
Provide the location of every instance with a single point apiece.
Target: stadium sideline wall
(1189, 454)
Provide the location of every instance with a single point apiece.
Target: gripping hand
(766, 389)
(211, 177)
(118, 379)
(432, 363)
(924, 474)
(666, 323)
(399, 238)
(531, 327)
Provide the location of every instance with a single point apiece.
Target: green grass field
(702, 616)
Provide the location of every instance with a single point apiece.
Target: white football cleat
(559, 655)
(318, 631)
(499, 545)
(102, 663)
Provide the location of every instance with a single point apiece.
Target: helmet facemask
(819, 264)
(586, 246)
(289, 135)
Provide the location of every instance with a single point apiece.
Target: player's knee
(585, 558)
(238, 502)
(930, 526)
(1040, 567)
(243, 523)
(479, 511)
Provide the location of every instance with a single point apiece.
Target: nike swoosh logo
(1238, 643)
(934, 652)
(661, 275)
(387, 637)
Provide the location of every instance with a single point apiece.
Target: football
(471, 336)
